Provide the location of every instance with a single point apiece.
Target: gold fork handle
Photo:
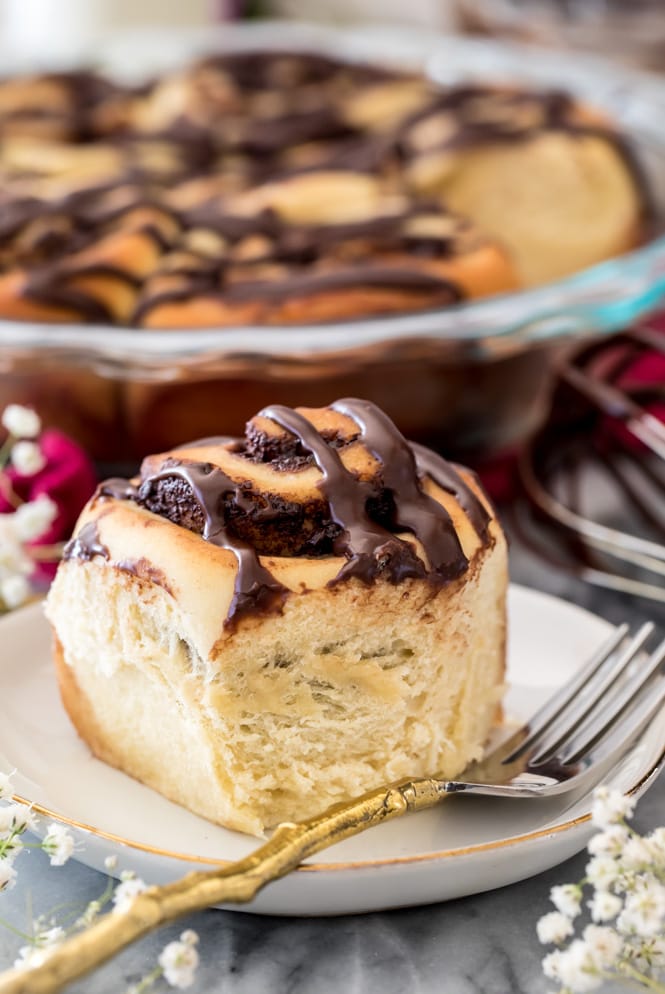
(235, 883)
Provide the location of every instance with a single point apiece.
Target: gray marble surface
(484, 944)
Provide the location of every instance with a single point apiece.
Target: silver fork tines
(596, 688)
(587, 725)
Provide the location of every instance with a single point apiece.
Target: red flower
(68, 478)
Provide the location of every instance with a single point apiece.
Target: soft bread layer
(351, 686)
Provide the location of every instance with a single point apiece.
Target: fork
(581, 731)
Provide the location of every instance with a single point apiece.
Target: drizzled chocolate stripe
(359, 517)
(416, 511)
(256, 589)
(289, 240)
(304, 284)
(445, 475)
(371, 551)
(43, 288)
(86, 545)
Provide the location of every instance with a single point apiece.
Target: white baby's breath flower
(577, 968)
(10, 847)
(609, 807)
(602, 871)
(21, 422)
(7, 875)
(25, 819)
(649, 954)
(16, 818)
(33, 518)
(656, 842)
(58, 844)
(30, 957)
(27, 458)
(179, 960)
(110, 862)
(38, 952)
(6, 786)
(604, 906)
(554, 928)
(567, 898)
(551, 964)
(126, 891)
(626, 875)
(644, 910)
(604, 944)
(13, 558)
(637, 853)
(608, 843)
(50, 937)
(646, 955)
(89, 914)
(14, 590)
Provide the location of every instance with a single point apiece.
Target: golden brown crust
(77, 706)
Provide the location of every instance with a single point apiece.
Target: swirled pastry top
(308, 497)
(267, 188)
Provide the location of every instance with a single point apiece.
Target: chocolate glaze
(371, 550)
(52, 289)
(446, 476)
(255, 587)
(437, 289)
(86, 544)
(355, 519)
(415, 510)
(118, 489)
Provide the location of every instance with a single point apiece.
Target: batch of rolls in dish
(285, 188)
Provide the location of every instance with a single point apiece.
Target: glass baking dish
(472, 379)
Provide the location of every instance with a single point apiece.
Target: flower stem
(640, 979)
(7, 490)
(146, 982)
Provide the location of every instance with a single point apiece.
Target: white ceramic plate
(464, 846)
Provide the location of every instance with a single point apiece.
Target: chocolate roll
(261, 626)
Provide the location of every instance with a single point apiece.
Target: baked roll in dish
(549, 176)
(260, 627)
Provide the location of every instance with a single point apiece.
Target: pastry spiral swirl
(336, 482)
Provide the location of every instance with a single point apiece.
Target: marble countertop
(485, 944)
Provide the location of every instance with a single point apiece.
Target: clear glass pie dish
(471, 379)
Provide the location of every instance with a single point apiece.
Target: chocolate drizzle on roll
(446, 476)
(255, 588)
(371, 550)
(86, 545)
(439, 291)
(415, 510)
(357, 516)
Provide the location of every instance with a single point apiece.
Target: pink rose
(68, 478)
